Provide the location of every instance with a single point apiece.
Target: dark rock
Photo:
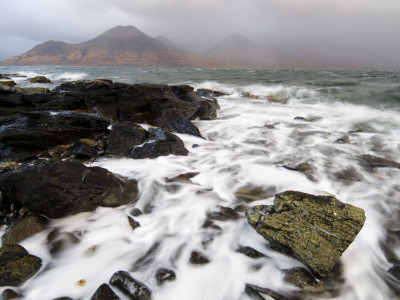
(207, 110)
(210, 94)
(43, 129)
(30, 90)
(24, 228)
(82, 151)
(308, 284)
(104, 292)
(9, 294)
(249, 95)
(250, 252)
(181, 125)
(298, 118)
(377, 162)
(255, 292)
(8, 83)
(198, 258)
(134, 224)
(314, 229)
(4, 77)
(160, 144)
(164, 275)
(250, 194)
(40, 79)
(305, 168)
(224, 214)
(395, 271)
(136, 212)
(17, 265)
(133, 288)
(59, 189)
(183, 177)
(58, 241)
(63, 298)
(343, 140)
(124, 136)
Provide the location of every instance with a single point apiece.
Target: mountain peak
(120, 32)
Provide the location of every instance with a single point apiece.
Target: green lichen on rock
(17, 265)
(8, 83)
(40, 79)
(314, 229)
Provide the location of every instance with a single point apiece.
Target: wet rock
(183, 177)
(59, 189)
(249, 95)
(207, 93)
(181, 125)
(303, 279)
(82, 151)
(136, 212)
(4, 76)
(275, 99)
(223, 214)
(30, 90)
(298, 118)
(255, 292)
(314, 229)
(63, 298)
(43, 129)
(377, 162)
(124, 136)
(343, 140)
(250, 194)
(104, 292)
(395, 271)
(164, 275)
(250, 252)
(9, 294)
(305, 168)
(8, 83)
(24, 228)
(134, 224)
(348, 175)
(207, 110)
(58, 241)
(6, 166)
(130, 286)
(17, 265)
(161, 143)
(198, 258)
(39, 79)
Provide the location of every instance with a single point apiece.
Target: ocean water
(246, 147)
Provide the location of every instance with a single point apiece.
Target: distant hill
(239, 52)
(128, 46)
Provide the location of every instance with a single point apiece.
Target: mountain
(239, 52)
(128, 46)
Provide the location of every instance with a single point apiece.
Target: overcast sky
(345, 32)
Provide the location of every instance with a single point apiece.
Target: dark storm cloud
(342, 33)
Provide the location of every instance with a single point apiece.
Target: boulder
(160, 143)
(104, 292)
(24, 228)
(9, 294)
(181, 125)
(198, 258)
(39, 79)
(130, 286)
(250, 252)
(124, 136)
(210, 94)
(8, 83)
(164, 275)
(43, 129)
(314, 229)
(17, 265)
(377, 162)
(59, 189)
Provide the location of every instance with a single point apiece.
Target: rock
(136, 212)
(305, 168)
(250, 252)
(63, 298)
(104, 292)
(164, 275)
(224, 214)
(134, 224)
(82, 151)
(30, 90)
(39, 79)
(160, 144)
(343, 140)
(275, 99)
(43, 129)
(377, 162)
(249, 95)
(181, 125)
(8, 83)
(303, 279)
(58, 241)
(298, 118)
(17, 265)
(198, 258)
(4, 77)
(250, 194)
(395, 271)
(210, 94)
(6, 166)
(182, 177)
(9, 294)
(59, 189)
(124, 136)
(24, 228)
(314, 229)
(255, 292)
(130, 286)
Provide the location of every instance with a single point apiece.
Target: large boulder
(59, 189)
(124, 136)
(17, 265)
(314, 229)
(43, 129)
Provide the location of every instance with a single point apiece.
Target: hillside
(128, 46)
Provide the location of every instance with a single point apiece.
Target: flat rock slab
(314, 229)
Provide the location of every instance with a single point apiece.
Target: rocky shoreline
(47, 137)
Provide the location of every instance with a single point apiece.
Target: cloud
(363, 32)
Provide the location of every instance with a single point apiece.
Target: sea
(269, 121)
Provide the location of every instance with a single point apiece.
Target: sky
(344, 33)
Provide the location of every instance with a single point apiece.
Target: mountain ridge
(128, 46)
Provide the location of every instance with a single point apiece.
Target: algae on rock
(314, 229)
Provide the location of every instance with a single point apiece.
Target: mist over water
(246, 147)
